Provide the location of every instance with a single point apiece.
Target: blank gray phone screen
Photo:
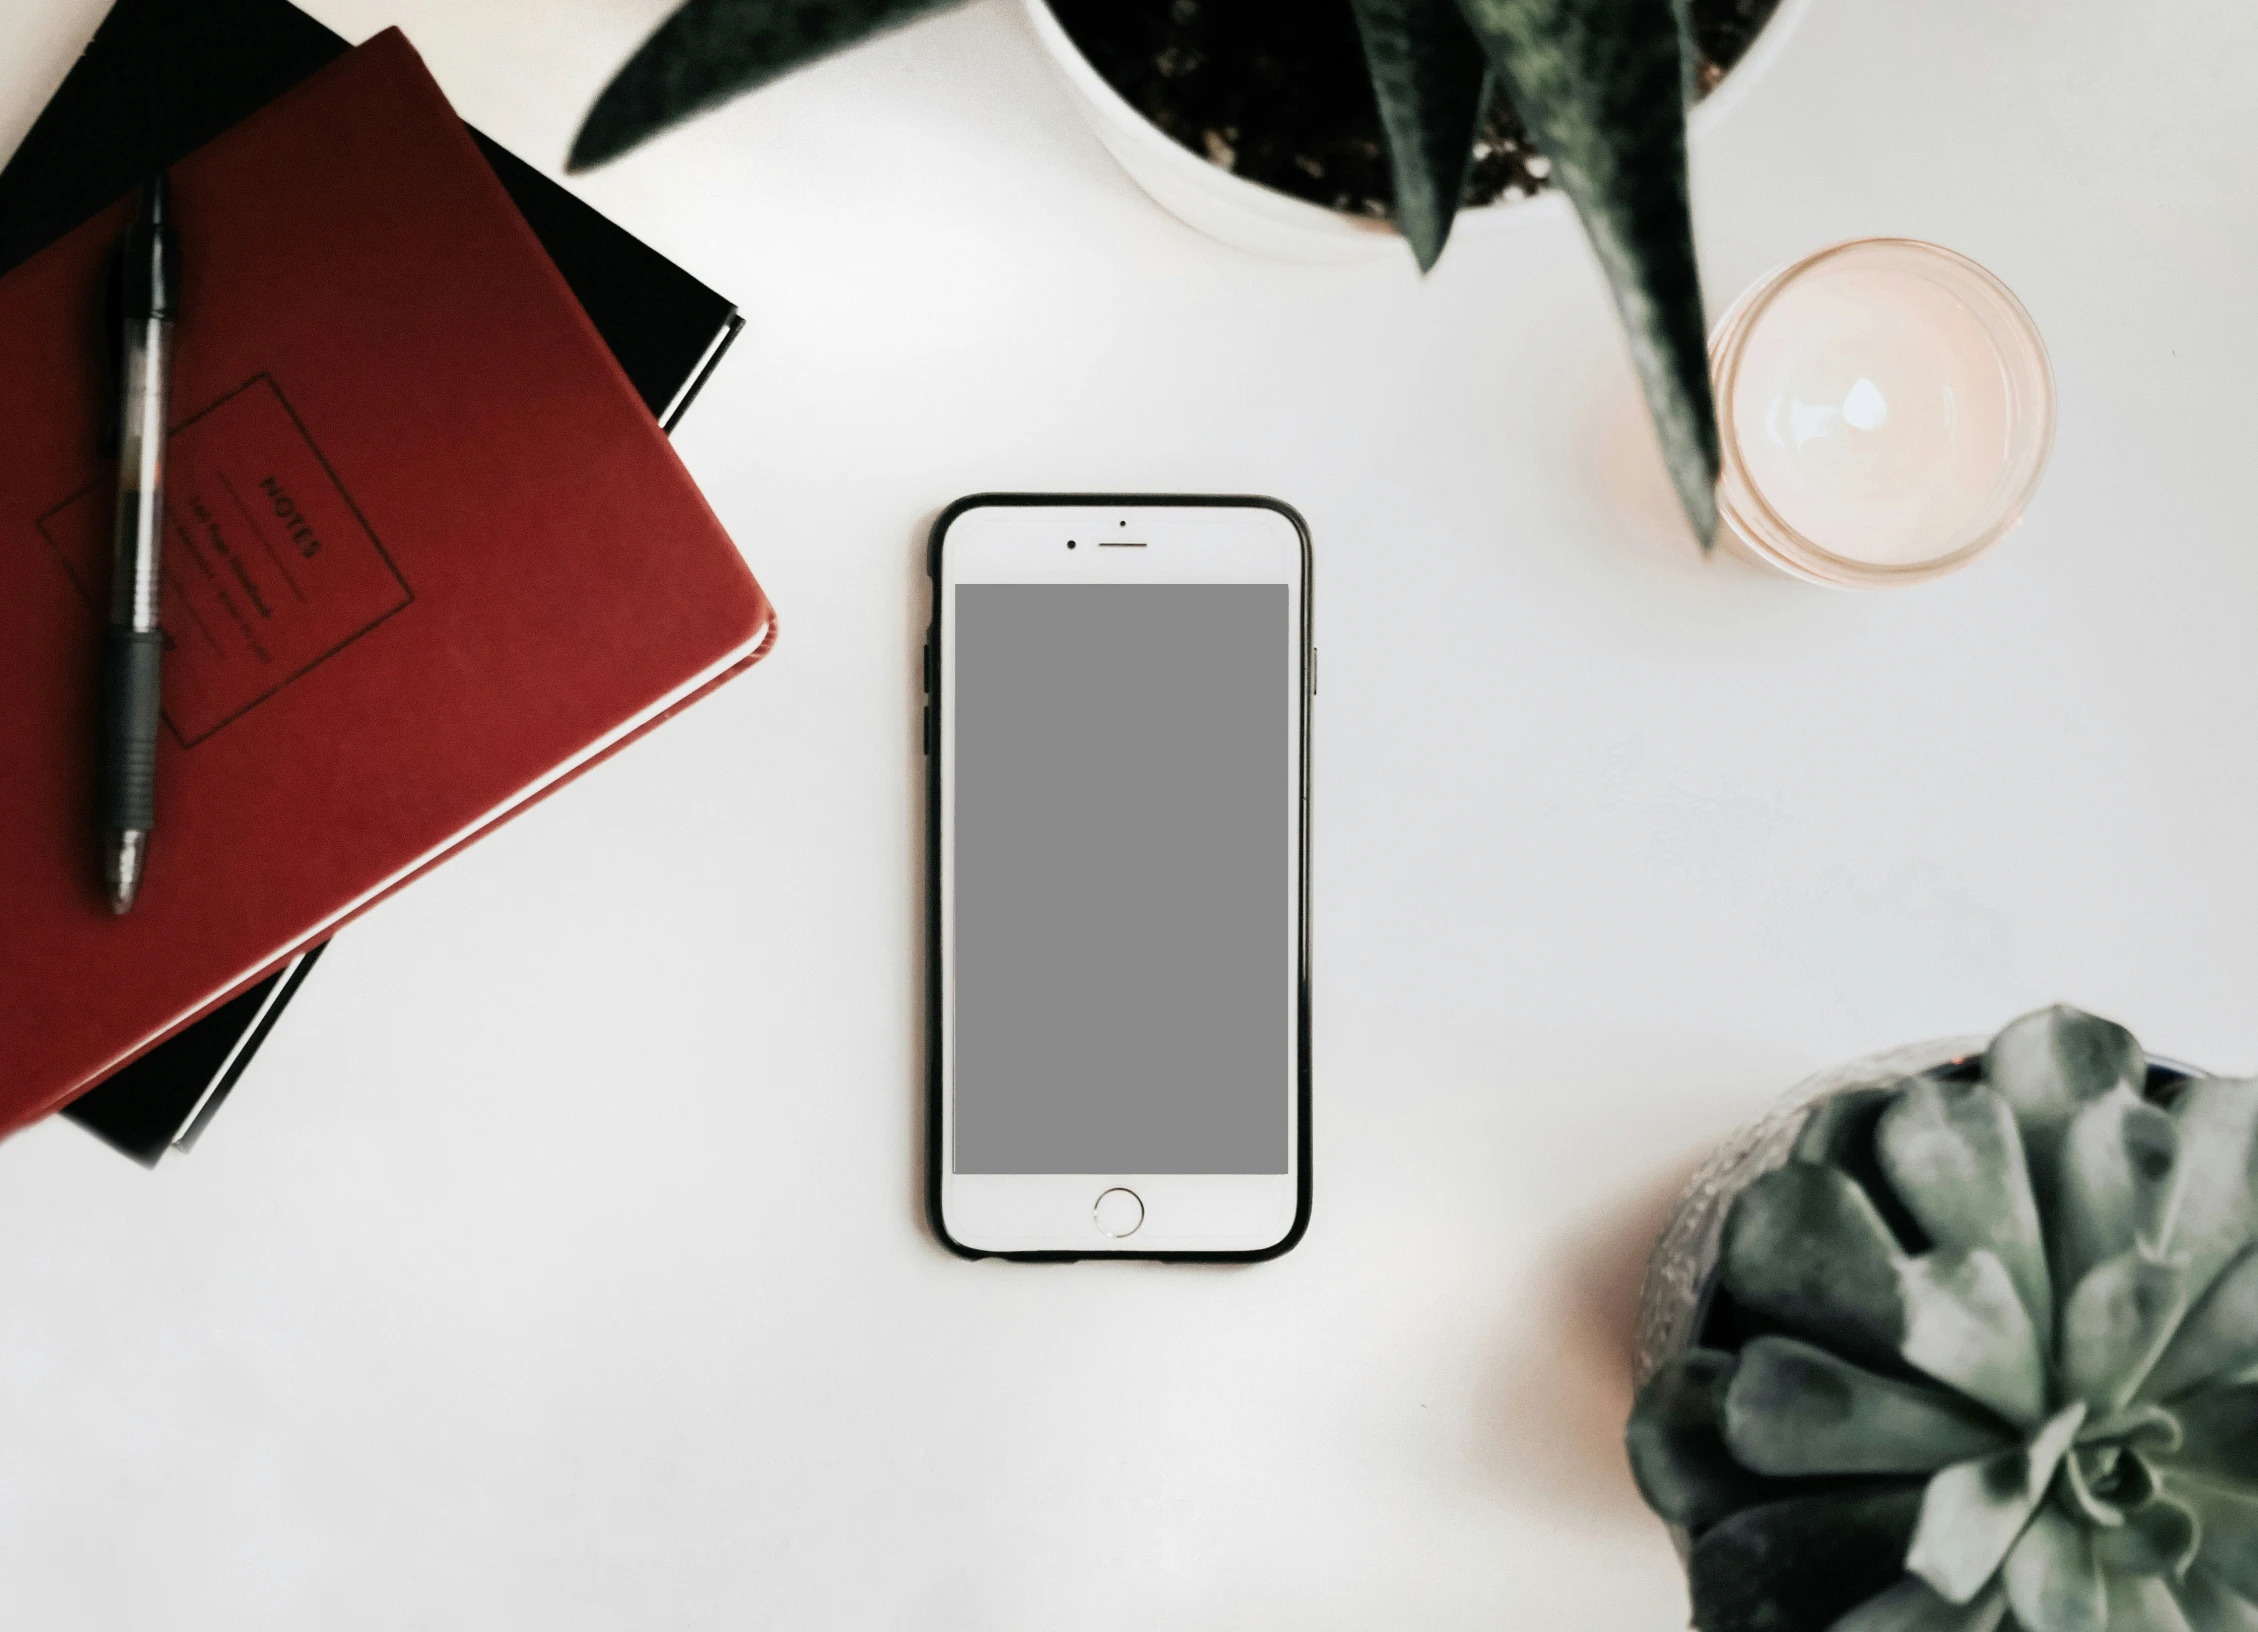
(1123, 829)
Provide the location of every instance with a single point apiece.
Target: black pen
(133, 656)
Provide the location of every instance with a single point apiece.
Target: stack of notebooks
(428, 552)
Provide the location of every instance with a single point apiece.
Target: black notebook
(159, 79)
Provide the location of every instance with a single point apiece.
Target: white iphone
(1117, 738)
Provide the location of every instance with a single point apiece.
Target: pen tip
(124, 870)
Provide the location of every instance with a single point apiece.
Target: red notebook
(426, 557)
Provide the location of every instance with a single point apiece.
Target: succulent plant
(1602, 85)
(1985, 1356)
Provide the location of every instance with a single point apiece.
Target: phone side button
(1118, 1213)
(925, 731)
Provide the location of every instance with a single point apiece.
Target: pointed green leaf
(1804, 1247)
(1913, 1606)
(2073, 1485)
(2212, 1606)
(1842, 1125)
(1840, 1133)
(2219, 1433)
(2158, 1537)
(2144, 1428)
(2218, 1211)
(2228, 1544)
(2139, 1603)
(1602, 88)
(1966, 1325)
(1433, 83)
(2116, 1324)
(712, 50)
(1971, 1513)
(2048, 1066)
(2053, 1584)
(1954, 1157)
(2219, 1339)
(1801, 1563)
(2119, 1160)
(1677, 1447)
(1793, 1409)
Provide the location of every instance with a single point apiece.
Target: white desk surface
(560, 1262)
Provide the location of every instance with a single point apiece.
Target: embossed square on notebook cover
(269, 568)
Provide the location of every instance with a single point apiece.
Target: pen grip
(130, 716)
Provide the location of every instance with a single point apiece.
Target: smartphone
(1117, 750)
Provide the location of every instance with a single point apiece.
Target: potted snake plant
(1256, 121)
(1967, 1341)
(1600, 87)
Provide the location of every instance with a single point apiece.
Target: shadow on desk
(1562, 1389)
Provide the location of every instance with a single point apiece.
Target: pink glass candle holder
(1886, 410)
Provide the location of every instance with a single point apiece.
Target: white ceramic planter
(1262, 221)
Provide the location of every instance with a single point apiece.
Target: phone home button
(1118, 1213)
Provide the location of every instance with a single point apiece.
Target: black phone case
(934, 668)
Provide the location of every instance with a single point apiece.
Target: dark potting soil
(1276, 91)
